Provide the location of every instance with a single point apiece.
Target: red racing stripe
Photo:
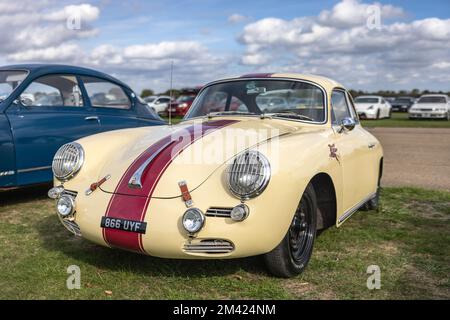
(132, 204)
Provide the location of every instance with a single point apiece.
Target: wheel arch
(326, 200)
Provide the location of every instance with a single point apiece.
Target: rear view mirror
(27, 102)
(348, 124)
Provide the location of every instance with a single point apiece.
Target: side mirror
(348, 124)
(26, 102)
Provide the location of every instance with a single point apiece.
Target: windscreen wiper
(292, 115)
(228, 113)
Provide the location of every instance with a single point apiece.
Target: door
(49, 113)
(112, 104)
(353, 151)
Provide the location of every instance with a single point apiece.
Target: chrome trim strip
(33, 169)
(7, 173)
(355, 208)
(136, 179)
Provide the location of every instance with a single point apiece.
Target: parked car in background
(402, 104)
(372, 107)
(229, 184)
(390, 99)
(431, 106)
(159, 104)
(181, 107)
(45, 106)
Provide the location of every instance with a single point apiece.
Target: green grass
(175, 120)
(409, 238)
(400, 119)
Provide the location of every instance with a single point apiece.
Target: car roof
(61, 68)
(324, 82)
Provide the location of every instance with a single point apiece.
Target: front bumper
(400, 108)
(367, 114)
(427, 114)
(165, 237)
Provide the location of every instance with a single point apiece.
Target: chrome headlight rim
(199, 214)
(59, 156)
(70, 201)
(267, 173)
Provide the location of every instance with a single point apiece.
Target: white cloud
(237, 18)
(348, 13)
(60, 53)
(85, 12)
(31, 25)
(338, 43)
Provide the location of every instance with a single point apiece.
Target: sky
(365, 45)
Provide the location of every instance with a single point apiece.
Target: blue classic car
(45, 106)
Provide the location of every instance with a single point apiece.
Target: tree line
(355, 93)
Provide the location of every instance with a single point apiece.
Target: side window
(339, 108)
(383, 101)
(352, 107)
(164, 100)
(53, 91)
(105, 94)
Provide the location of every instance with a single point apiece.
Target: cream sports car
(257, 166)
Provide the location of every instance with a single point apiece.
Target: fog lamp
(239, 213)
(65, 206)
(56, 192)
(193, 220)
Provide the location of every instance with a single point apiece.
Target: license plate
(425, 115)
(123, 224)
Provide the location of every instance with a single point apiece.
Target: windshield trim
(324, 93)
(27, 73)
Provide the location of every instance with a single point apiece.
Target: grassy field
(409, 238)
(400, 119)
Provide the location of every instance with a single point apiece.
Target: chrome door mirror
(26, 102)
(348, 124)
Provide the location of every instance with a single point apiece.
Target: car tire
(373, 203)
(293, 253)
(378, 114)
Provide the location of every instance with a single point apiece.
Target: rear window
(105, 94)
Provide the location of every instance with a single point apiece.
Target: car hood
(364, 106)
(190, 151)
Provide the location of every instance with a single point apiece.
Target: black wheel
(378, 114)
(292, 255)
(373, 203)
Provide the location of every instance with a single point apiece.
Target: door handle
(91, 118)
(371, 145)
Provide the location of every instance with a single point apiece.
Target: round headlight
(65, 206)
(67, 161)
(249, 174)
(239, 213)
(193, 220)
